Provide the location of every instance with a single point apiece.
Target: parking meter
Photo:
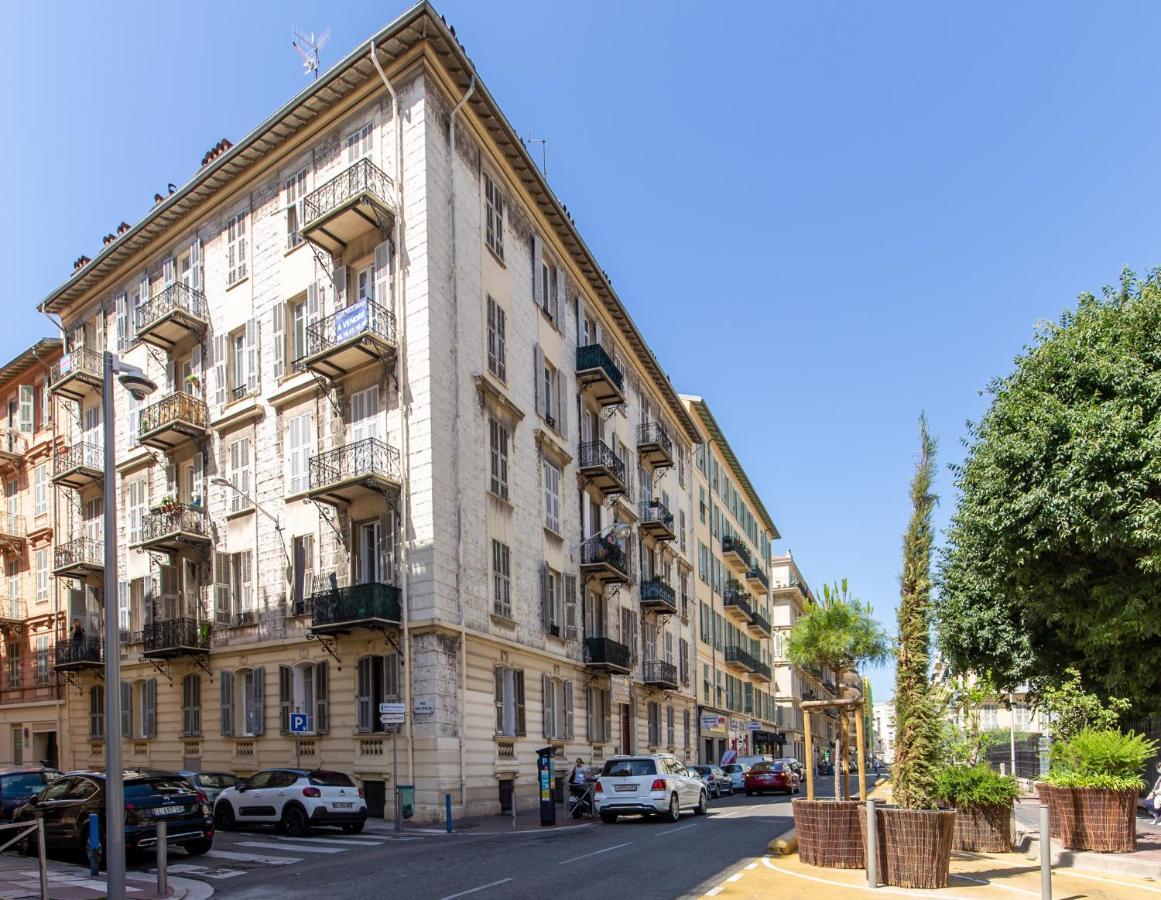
(545, 776)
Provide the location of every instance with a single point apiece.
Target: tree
(1071, 709)
(1053, 556)
(919, 727)
(838, 633)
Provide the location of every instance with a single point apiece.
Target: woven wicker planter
(983, 829)
(828, 833)
(914, 845)
(1092, 818)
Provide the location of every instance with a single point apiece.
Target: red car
(771, 776)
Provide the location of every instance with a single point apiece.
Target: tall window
(137, 491)
(498, 452)
(299, 440)
(43, 666)
(501, 580)
(493, 217)
(40, 485)
(509, 694)
(297, 335)
(252, 684)
(599, 705)
(240, 581)
(552, 497)
(191, 705)
(377, 681)
(239, 474)
(654, 724)
(304, 688)
(670, 728)
(41, 574)
(236, 248)
(97, 711)
(295, 192)
(497, 359)
(360, 142)
(14, 656)
(557, 708)
(551, 399)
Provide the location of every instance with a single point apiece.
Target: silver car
(737, 773)
(210, 783)
(716, 781)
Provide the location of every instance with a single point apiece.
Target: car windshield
(700, 770)
(331, 779)
(766, 767)
(731, 768)
(23, 785)
(216, 780)
(627, 768)
(156, 786)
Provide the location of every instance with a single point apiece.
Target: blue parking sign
(299, 723)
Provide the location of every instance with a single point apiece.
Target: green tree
(1071, 709)
(1053, 556)
(839, 633)
(919, 727)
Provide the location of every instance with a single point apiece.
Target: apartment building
(31, 708)
(734, 533)
(407, 445)
(884, 739)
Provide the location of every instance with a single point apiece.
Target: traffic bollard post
(1045, 855)
(162, 859)
(872, 845)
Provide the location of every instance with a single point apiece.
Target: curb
(785, 844)
(1028, 843)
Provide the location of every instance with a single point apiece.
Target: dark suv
(19, 784)
(67, 803)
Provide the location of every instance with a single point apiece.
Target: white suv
(648, 785)
(293, 799)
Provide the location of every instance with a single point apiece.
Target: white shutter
(197, 276)
(561, 407)
(546, 704)
(195, 362)
(538, 377)
(570, 608)
(145, 298)
(99, 330)
(340, 287)
(168, 271)
(26, 407)
(568, 711)
(222, 588)
(537, 261)
(199, 467)
(252, 356)
(121, 305)
(279, 335)
(220, 370)
(383, 276)
(558, 301)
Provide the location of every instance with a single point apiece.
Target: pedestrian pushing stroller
(580, 795)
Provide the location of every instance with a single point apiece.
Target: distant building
(884, 740)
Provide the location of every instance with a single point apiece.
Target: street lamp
(137, 383)
(225, 482)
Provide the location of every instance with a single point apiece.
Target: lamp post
(139, 385)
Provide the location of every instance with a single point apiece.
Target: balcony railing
(176, 300)
(355, 605)
(81, 363)
(162, 524)
(600, 553)
(179, 410)
(738, 601)
(367, 460)
(658, 671)
(80, 553)
(656, 518)
(363, 318)
(80, 456)
(654, 444)
(597, 372)
(755, 574)
(656, 594)
(13, 609)
(603, 468)
(733, 547)
(82, 653)
(363, 177)
(12, 526)
(759, 622)
(603, 652)
(175, 637)
(737, 656)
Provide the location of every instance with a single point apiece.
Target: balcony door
(94, 519)
(596, 609)
(365, 414)
(92, 427)
(368, 550)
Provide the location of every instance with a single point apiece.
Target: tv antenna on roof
(308, 47)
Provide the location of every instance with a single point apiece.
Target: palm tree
(838, 633)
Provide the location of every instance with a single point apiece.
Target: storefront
(713, 735)
(768, 743)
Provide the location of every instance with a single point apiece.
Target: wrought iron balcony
(168, 319)
(78, 466)
(172, 421)
(74, 654)
(607, 655)
(760, 672)
(736, 553)
(740, 660)
(655, 519)
(795, 587)
(337, 610)
(659, 673)
(658, 596)
(173, 527)
(13, 530)
(13, 609)
(597, 374)
(602, 469)
(13, 446)
(759, 625)
(654, 445)
(358, 200)
(605, 561)
(736, 605)
(757, 579)
(79, 558)
(341, 475)
(168, 638)
(348, 339)
(77, 374)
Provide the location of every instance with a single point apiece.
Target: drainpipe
(456, 444)
(399, 285)
(52, 515)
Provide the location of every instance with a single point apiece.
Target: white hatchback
(294, 800)
(657, 784)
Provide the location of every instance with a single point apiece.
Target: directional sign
(299, 723)
(392, 713)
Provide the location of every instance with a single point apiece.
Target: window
(1023, 716)
(377, 681)
(14, 657)
(303, 688)
(240, 577)
(557, 708)
(551, 601)
(509, 694)
(493, 217)
(237, 366)
(296, 312)
(40, 486)
(303, 556)
(365, 283)
(97, 711)
(654, 711)
(599, 706)
(544, 281)
(142, 697)
(43, 665)
(299, 441)
(549, 394)
(685, 729)
(239, 474)
(360, 142)
(706, 686)
(670, 728)
(191, 705)
(295, 192)
(501, 580)
(133, 414)
(253, 701)
(236, 248)
(41, 574)
(137, 491)
(989, 718)
(552, 497)
(497, 359)
(498, 448)
(27, 408)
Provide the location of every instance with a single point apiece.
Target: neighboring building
(31, 708)
(355, 483)
(733, 533)
(884, 745)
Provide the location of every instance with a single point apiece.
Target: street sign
(422, 706)
(299, 723)
(753, 726)
(392, 713)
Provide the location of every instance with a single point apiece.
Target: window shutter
(258, 706)
(363, 682)
(537, 281)
(570, 608)
(26, 408)
(199, 469)
(313, 309)
(121, 309)
(226, 684)
(195, 264)
(99, 330)
(545, 618)
(498, 694)
(340, 282)
(144, 298)
(607, 697)
(383, 277)
(568, 711)
(168, 271)
(558, 301)
(321, 698)
(279, 340)
(561, 404)
(220, 369)
(590, 713)
(545, 693)
(252, 374)
(285, 689)
(518, 680)
(126, 709)
(538, 377)
(149, 713)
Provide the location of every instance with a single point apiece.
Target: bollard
(1045, 855)
(94, 845)
(872, 844)
(513, 804)
(447, 810)
(162, 859)
(43, 860)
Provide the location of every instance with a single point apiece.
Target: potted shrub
(194, 382)
(982, 799)
(839, 633)
(915, 836)
(1092, 789)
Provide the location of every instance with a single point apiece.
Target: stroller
(580, 796)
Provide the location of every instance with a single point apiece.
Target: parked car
(295, 800)
(794, 764)
(771, 776)
(67, 803)
(716, 781)
(754, 760)
(210, 783)
(648, 785)
(737, 773)
(19, 784)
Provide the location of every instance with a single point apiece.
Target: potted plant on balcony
(983, 800)
(168, 504)
(193, 381)
(839, 633)
(204, 629)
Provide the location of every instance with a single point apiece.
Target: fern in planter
(1110, 759)
(974, 786)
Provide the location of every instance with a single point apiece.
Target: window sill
(496, 256)
(234, 284)
(555, 535)
(301, 243)
(503, 501)
(501, 619)
(239, 513)
(498, 737)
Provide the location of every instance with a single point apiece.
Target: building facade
(884, 742)
(31, 694)
(407, 445)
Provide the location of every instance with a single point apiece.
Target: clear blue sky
(825, 217)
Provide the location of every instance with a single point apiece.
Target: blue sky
(825, 217)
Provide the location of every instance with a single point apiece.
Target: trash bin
(545, 775)
(406, 800)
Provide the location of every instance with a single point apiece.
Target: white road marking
(735, 876)
(203, 872)
(882, 889)
(752, 866)
(1074, 874)
(713, 892)
(254, 858)
(595, 853)
(330, 840)
(1003, 887)
(482, 887)
(675, 830)
(297, 848)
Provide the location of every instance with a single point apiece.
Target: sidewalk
(20, 878)
(1144, 863)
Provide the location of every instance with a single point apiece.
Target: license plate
(168, 810)
(625, 787)
(343, 805)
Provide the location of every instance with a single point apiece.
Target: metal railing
(177, 407)
(756, 574)
(369, 456)
(658, 671)
(759, 621)
(606, 651)
(734, 544)
(12, 524)
(598, 454)
(601, 551)
(653, 433)
(13, 609)
(356, 603)
(735, 654)
(82, 455)
(655, 511)
(595, 356)
(183, 519)
(71, 651)
(174, 634)
(654, 590)
(177, 297)
(79, 551)
(75, 362)
(738, 600)
(361, 317)
(363, 176)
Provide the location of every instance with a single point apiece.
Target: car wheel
(224, 816)
(197, 848)
(609, 818)
(355, 828)
(674, 813)
(294, 821)
(702, 805)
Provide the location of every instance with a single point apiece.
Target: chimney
(122, 228)
(157, 198)
(80, 263)
(215, 151)
(108, 239)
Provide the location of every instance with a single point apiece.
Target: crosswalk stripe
(297, 848)
(334, 840)
(254, 857)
